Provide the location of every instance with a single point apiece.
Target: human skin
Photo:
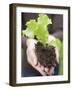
(32, 59)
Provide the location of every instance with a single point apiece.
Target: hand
(32, 59)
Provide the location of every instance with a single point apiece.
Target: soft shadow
(6, 83)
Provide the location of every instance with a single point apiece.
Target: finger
(46, 69)
(38, 68)
(42, 68)
(29, 58)
(57, 54)
(34, 57)
(41, 71)
(31, 55)
(39, 65)
(31, 43)
(51, 71)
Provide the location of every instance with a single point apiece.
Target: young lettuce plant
(39, 28)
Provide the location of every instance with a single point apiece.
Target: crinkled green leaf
(44, 20)
(42, 35)
(27, 33)
(32, 25)
(38, 28)
(30, 30)
(56, 43)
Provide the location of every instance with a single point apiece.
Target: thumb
(32, 57)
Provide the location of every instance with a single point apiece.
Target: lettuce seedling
(39, 28)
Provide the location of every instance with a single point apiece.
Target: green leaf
(44, 20)
(42, 35)
(38, 28)
(61, 60)
(27, 33)
(56, 43)
(30, 30)
(59, 45)
(32, 25)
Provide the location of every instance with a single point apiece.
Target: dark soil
(46, 55)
